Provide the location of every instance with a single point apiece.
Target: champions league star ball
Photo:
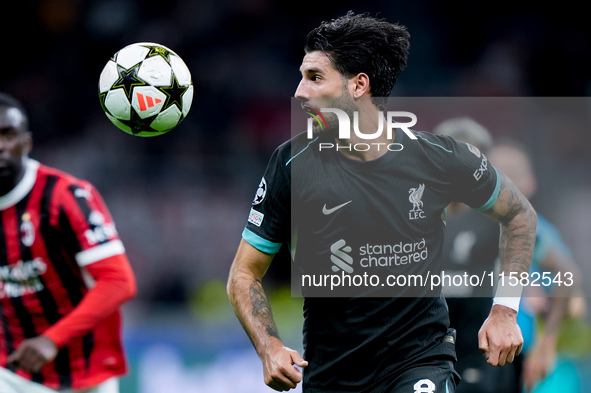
(146, 89)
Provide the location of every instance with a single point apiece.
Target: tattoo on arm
(261, 308)
(517, 218)
(513, 202)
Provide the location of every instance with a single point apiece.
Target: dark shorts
(434, 375)
(430, 372)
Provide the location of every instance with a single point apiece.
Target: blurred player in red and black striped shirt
(63, 271)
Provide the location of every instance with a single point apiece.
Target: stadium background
(180, 200)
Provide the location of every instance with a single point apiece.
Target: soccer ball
(146, 89)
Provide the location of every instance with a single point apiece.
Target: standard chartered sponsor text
(374, 255)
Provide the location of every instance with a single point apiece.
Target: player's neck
(9, 181)
(363, 149)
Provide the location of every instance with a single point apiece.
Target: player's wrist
(274, 342)
(507, 302)
(55, 338)
(508, 295)
(269, 345)
(501, 309)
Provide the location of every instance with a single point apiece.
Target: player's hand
(500, 338)
(33, 354)
(539, 362)
(278, 365)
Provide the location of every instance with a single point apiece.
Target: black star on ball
(127, 80)
(159, 51)
(174, 94)
(137, 124)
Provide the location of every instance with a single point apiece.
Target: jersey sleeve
(114, 283)
(84, 213)
(474, 180)
(268, 224)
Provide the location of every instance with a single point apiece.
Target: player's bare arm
(558, 261)
(500, 337)
(543, 356)
(254, 312)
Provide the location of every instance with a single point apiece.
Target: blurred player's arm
(114, 284)
(541, 359)
(500, 337)
(254, 312)
(558, 261)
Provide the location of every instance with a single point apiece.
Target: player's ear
(27, 142)
(359, 85)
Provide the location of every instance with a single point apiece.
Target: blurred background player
(553, 303)
(471, 245)
(63, 273)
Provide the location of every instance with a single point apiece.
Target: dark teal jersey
(352, 219)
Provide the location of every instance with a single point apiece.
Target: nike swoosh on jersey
(326, 211)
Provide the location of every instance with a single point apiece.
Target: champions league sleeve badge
(261, 192)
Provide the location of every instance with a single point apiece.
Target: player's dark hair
(357, 43)
(8, 101)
